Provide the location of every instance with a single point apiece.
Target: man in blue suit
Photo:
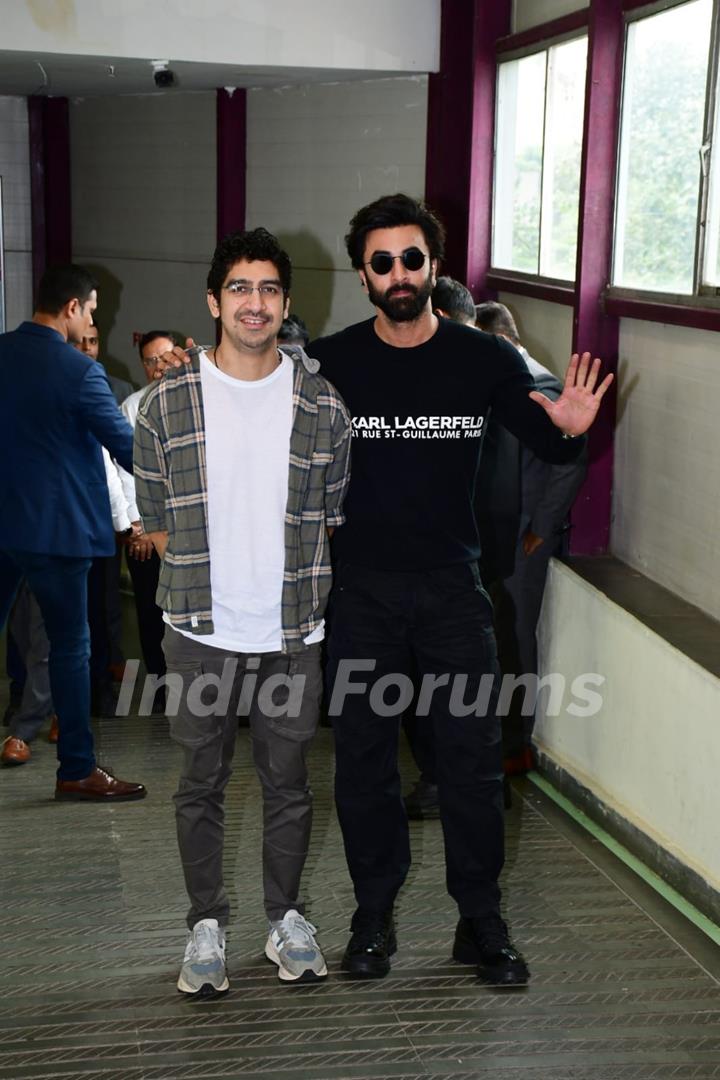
(56, 408)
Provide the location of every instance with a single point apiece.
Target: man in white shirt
(241, 466)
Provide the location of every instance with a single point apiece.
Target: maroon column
(461, 117)
(231, 160)
(493, 20)
(50, 203)
(593, 329)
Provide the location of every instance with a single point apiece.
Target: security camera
(163, 77)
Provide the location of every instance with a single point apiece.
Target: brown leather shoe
(14, 751)
(54, 731)
(99, 786)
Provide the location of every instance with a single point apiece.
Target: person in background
(56, 410)
(143, 561)
(539, 499)
(294, 332)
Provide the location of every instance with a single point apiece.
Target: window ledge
(557, 292)
(695, 314)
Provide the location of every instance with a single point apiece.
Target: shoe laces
(205, 941)
(296, 931)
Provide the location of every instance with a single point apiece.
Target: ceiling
(92, 76)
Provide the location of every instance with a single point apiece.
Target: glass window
(661, 137)
(540, 103)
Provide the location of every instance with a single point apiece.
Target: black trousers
(437, 626)
(144, 576)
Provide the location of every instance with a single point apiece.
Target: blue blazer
(56, 408)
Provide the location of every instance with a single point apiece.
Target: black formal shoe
(485, 942)
(371, 945)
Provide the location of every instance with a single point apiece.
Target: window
(661, 136)
(539, 122)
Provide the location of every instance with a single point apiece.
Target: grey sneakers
(203, 973)
(292, 946)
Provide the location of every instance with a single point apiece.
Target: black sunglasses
(381, 262)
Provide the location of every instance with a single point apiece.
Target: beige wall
(666, 503)
(143, 204)
(545, 329)
(316, 154)
(15, 173)
(651, 751)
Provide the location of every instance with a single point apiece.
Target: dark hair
(61, 284)
(152, 335)
(495, 318)
(454, 299)
(255, 245)
(387, 213)
(294, 331)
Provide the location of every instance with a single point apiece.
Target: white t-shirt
(247, 447)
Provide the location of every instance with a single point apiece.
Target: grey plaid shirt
(171, 483)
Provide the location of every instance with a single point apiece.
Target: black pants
(144, 576)
(432, 623)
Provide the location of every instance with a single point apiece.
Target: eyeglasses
(244, 290)
(382, 262)
(149, 361)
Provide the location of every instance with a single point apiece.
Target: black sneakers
(371, 945)
(485, 942)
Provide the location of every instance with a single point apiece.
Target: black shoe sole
(107, 799)
(516, 974)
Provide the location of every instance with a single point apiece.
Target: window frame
(538, 39)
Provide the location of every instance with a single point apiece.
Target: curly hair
(387, 213)
(254, 245)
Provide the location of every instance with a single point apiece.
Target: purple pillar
(50, 204)
(593, 329)
(461, 116)
(231, 160)
(493, 20)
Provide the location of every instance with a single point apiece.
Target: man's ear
(213, 305)
(72, 308)
(363, 281)
(286, 308)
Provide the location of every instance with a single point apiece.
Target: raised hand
(577, 406)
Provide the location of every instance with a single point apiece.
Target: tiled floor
(93, 908)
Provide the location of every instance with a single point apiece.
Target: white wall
(652, 752)
(401, 36)
(15, 173)
(528, 13)
(143, 205)
(666, 503)
(545, 329)
(316, 154)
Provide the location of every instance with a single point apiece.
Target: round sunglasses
(381, 262)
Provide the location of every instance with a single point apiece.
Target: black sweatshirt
(418, 416)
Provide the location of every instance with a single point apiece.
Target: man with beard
(408, 594)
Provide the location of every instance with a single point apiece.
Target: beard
(402, 308)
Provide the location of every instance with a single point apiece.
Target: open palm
(577, 406)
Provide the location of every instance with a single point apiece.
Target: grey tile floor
(93, 906)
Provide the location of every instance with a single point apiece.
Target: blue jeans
(59, 585)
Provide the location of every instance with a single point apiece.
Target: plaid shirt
(171, 483)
